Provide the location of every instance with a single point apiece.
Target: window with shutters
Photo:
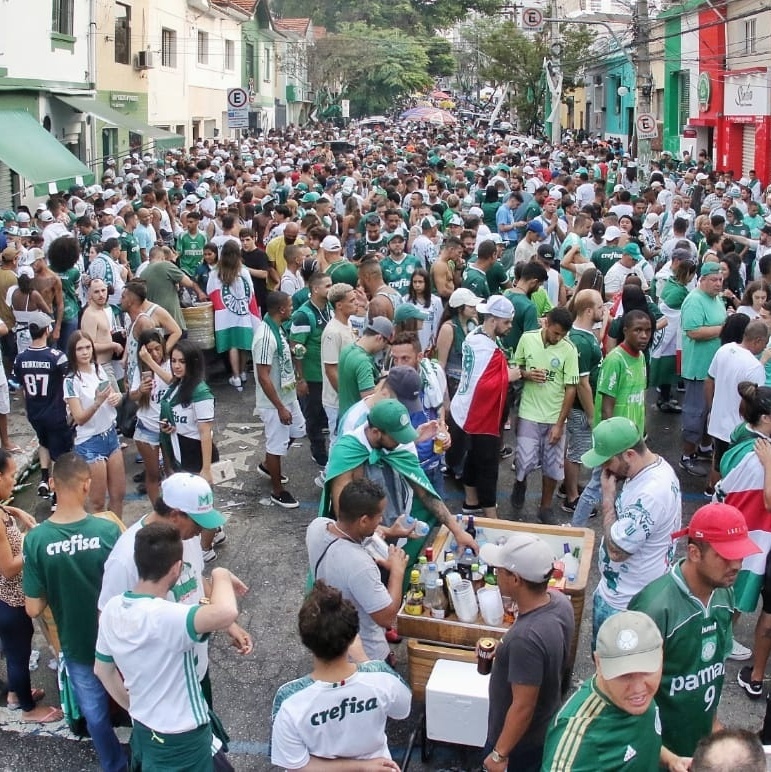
(230, 55)
(63, 12)
(122, 34)
(684, 107)
(750, 37)
(203, 47)
(168, 48)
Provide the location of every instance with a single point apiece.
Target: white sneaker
(739, 652)
(209, 555)
(235, 381)
(243, 377)
(320, 480)
(219, 537)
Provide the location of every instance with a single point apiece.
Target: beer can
(485, 651)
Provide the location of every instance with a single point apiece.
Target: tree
(441, 61)
(374, 68)
(510, 56)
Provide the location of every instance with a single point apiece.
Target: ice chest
(456, 704)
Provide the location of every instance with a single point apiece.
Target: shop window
(122, 34)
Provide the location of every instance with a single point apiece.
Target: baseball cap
(629, 642)
(22, 217)
(32, 256)
(373, 218)
(330, 244)
(191, 199)
(724, 528)
(9, 253)
(404, 382)
(535, 227)
(392, 418)
(524, 554)
(192, 495)
(497, 305)
(720, 185)
(766, 229)
(408, 311)
(389, 237)
(546, 251)
(428, 222)
(382, 326)
(456, 219)
(464, 297)
(612, 233)
(707, 269)
(609, 438)
(40, 320)
(633, 250)
(45, 216)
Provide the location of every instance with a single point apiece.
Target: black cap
(766, 229)
(546, 251)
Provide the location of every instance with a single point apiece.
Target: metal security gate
(6, 187)
(748, 148)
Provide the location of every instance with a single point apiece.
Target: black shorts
(765, 592)
(719, 449)
(191, 457)
(57, 439)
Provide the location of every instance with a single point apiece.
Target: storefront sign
(704, 91)
(747, 94)
(126, 103)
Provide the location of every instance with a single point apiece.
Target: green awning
(163, 139)
(35, 154)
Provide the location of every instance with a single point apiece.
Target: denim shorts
(144, 434)
(99, 447)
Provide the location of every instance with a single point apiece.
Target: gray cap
(404, 382)
(39, 321)
(382, 326)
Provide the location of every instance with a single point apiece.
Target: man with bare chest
(49, 285)
(98, 322)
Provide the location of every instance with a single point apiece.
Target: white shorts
(278, 435)
(5, 399)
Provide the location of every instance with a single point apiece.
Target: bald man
(275, 252)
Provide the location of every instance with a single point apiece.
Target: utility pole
(644, 79)
(553, 76)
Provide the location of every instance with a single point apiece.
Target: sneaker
(518, 494)
(392, 636)
(53, 502)
(322, 461)
(295, 444)
(243, 377)
(709, 492)
(547, 517)
(739, 653)
(506, 452)
(561, 490)
(691, 465)
(235, 381)
(471, 509)
(570, 506)
(138, 459)
(320, 480)
(681, 387)
(219, 537)
(209, 556)
(263, 472)
(43, 490)
(754, 689)
(139, 477)
(705, 453)
(285, 499)
(668, 407)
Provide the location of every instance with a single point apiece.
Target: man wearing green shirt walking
(612, 721)
(475, 277)
(190, 245)
(702, 316)
(398, 267)
(129, 246)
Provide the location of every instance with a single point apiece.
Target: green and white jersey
(589, 357)
(190, 249)
(624, 377)
(399, 274)
(697, 640)
(590, 733)
(152, 642)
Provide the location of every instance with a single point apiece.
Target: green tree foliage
(441, 61)
(509, 56)
(374, 68)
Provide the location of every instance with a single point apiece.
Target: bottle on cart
(422, 566)
(430, 578)
(413, 603)
(465, 561)
(477, 577)
(451, 579)
(570, 562)
(439, 600)
(420, 528)
(470, 529)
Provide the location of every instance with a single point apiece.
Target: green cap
(389, 237)
(609, 438)
(310, 198)
(709, 268)
(392, 418)
(9, 216)
(301, 186)
(633, 249)
(408, 311)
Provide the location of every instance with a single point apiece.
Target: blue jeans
(16, 635)
(590, 498)
(94, 704)
(601, 610)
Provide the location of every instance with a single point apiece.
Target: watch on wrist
(496, 757)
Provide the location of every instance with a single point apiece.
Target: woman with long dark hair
(419, 295)
(63, 256)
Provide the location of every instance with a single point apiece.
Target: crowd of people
(403, 297)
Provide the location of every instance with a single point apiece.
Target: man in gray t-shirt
(336, 555)
(531, 660)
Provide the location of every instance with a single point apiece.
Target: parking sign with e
(237, 97)
(532, 19)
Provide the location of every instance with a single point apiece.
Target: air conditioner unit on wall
(144, 60)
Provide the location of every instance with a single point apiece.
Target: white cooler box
(456, 703)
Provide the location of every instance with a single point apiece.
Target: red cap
(724, 528)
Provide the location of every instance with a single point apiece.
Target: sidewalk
(21, 434)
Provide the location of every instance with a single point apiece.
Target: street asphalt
(266, 547)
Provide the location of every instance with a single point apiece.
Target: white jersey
(648, 511)
(152, 642)
(337, 720)
(120, 575)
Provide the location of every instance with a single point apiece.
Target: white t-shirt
(83, 386)
(335, 337)
(616, 276)
(120, 575)
(152, 643)
(430, 329)
(337, 720)
(150, 416)
(731, 365)
(648, 511)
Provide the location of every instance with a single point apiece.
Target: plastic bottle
(413, 603)
(477, 577)
(465, 561)
(571, 564)
(422, 567)
(439, 602)
(451, 579)
(421, 529)
(429, 580)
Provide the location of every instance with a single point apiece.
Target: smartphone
(102, 387)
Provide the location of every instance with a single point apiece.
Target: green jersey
(398, 274)
(542, 402)
(525, 319)
(697, 640)
(589, 356)
(356, 373)
(70, 289)
(343, 271)
(605, 258)
(190, 249)
(364, 245)
(700, 310)
(64, 563)
(308, 323)
(130, 246)
(624, 376)
(496, 278)
(475, 279)
(590, 733)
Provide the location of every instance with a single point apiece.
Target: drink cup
(465, 601)
(491, 605)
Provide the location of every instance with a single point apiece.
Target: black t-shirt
(41, 373)
(534, 652)
(258, 260)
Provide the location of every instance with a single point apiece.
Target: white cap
(497, 305)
